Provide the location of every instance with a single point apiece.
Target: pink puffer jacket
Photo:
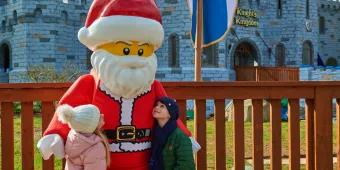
(84, 153)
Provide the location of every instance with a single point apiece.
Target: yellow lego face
(131, 48)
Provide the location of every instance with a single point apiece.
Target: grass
(210, 142)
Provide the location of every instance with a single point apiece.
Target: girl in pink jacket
(86, 147)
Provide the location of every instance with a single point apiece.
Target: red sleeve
(160, 92)
(81, 92)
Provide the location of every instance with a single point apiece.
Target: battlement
(69, 12)
(329, 4)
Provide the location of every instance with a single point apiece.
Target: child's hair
(106, 144)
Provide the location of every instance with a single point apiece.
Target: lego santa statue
(123, 35)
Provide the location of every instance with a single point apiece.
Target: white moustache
(132, 62)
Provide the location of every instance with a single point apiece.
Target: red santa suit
(128, 122)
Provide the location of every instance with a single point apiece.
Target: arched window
(250, 2)
(210, 56)
(307, 53)
(173, 50)
(3, 2)
(279, 8)
(38, 14)
(280, 55)
(15, 17)
(64, 17)
(82, 18)
(307, 9)
(3, 26)
(322, 25)
(4, 58)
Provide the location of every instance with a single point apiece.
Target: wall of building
(43, 33)
(329, 41)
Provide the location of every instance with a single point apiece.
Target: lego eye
(140, 52)
(126, 51)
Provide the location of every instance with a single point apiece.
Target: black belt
(127, 133)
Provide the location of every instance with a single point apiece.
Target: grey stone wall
(48, 39)
(329, 41)
(43, 32)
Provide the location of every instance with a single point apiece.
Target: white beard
(125, 76)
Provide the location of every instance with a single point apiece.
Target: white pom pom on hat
(83, 119)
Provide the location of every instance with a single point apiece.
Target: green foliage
(36, 107)
(48, 73)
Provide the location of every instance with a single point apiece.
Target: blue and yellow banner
(217, 19)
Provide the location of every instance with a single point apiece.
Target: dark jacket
(177, 153)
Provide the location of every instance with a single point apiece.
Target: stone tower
(37, 32)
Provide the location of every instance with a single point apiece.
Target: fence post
(200, 134)
(309, 111)
(323, 129)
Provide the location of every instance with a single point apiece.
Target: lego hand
(51, 144)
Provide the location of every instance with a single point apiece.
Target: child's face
(160, 111)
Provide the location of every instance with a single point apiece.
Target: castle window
(210, 56)
(3, 26)
(279, 8)
(3, 2)
(15, 17)
(307, 9)
(307, 53)
(38, 14)
(322, 25)
(280, 55)
(82, 18)
(250, 2)
(4, 58)
(174, 50)
(64, 17)
(83, 2)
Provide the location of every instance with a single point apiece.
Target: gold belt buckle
(126, 133)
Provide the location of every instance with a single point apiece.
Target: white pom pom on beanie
(83, 119)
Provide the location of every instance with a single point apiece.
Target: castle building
(265, 33)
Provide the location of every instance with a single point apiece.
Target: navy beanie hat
(172, 107)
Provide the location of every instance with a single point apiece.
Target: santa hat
(122, 20)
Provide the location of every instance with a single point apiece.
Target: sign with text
(246, 18)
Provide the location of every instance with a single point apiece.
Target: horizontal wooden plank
(240, 92)
(25, 95)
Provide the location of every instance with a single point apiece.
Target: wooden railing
(318, 96)
(267, 73)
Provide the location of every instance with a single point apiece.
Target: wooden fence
(318, 96)
(267, 73)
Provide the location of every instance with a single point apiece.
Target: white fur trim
(130, 146)
(126, 113)
(108, 92)
(121, 28)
